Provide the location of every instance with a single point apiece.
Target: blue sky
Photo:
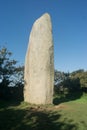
(69, 20)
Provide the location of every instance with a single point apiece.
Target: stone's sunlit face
(39, 64)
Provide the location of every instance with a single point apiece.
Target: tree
(82, 75)
(7, 66)
(72, 85)
(10, 74)
(59, 79)
(18, 78)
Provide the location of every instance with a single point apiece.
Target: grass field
(68, 115)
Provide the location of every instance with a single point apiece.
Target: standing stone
(39, 63)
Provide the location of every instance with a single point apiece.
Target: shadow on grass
(4, 104)
(61, 98)
(31, 118)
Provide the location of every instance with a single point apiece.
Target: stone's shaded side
(39, 63)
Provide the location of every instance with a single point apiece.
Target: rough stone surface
(39, 63)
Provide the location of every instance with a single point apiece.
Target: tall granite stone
(39, 63)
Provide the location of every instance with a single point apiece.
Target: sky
(69, 22)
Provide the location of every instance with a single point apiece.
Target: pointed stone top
(45, 19)
(44, 16)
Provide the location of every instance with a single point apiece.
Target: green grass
(68, 115)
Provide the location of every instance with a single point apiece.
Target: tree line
(12, 76)
(70, 82)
